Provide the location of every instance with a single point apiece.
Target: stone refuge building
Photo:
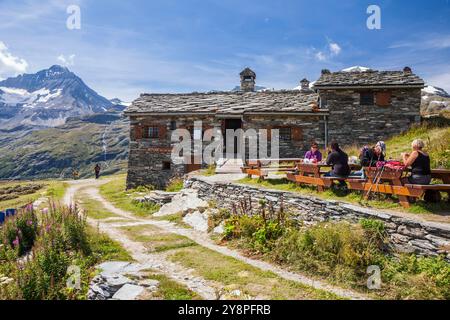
(350, 107)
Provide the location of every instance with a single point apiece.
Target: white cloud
(335, 49)
(321, 56)
(67, 62)
(9, 64)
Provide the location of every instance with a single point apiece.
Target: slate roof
(370, 78)
(293, 101)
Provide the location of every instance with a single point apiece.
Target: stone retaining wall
(406, 234)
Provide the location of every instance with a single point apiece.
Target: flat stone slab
(118, 267)
(197, 220)
(128, 292)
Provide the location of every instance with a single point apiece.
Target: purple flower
(29, 223)
(30, 207)
(45, 210)
(16, 242)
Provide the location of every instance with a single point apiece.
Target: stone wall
(351, 123)
(146, 156)
(407, 235)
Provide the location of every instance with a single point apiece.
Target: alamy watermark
(73, 21)
(209, 146)
(374, 20)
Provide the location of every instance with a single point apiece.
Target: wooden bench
(262, 167)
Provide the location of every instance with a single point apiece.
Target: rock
(149, 283)
(129, 292)
(220, 229)
(112, 267)
(411, 232)
(186, 201)
(99, 292)
(197, 220)
(117, 281)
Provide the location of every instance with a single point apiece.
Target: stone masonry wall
(407, 235)
(146, 156)
(351, 123)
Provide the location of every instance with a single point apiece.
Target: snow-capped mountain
(47, 99)
(118, 102)
(435, 100)
(356, 69)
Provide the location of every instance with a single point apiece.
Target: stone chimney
(304, 84)
(248, 80)
(407, 70)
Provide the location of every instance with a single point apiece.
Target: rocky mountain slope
(47, 99)
(56, 152)
(435, 101)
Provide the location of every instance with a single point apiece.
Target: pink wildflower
(16, 242)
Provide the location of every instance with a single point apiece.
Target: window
(285, 134)
(166, 165)
(153, 132)
(173, 125)
(383, 99)
(366, 98)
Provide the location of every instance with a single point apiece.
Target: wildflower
(29, 207)
(45, 211)
(16, 242)
(29, 223)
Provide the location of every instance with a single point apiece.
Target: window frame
(363, 102)
(150, 132)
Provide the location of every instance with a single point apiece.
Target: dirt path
(176, 272)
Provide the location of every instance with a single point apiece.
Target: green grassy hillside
(56, 152)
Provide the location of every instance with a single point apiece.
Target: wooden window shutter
(269, 133)
(297, 134)
(138, 132)
(162, 131)
(383, 99)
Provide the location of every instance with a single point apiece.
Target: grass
(175, 185)
(116, 193)
(51, 189)
(105, 248)
(171, 290)
(227, 272)
(157, 240)
(176, 218)
(236, 275)
(93, 208)
(210, 171)
(341, 252)
(354, 197)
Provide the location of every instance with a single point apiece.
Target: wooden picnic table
(386, 181)
(311, 173)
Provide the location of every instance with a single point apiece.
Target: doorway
(231, 124)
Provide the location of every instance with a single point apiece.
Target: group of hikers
(418, 160)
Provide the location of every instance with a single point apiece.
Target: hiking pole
(377, 175)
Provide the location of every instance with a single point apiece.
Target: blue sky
(125, 48)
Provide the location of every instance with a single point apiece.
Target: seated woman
(370, 157)
(314, 154)
(338, 159)
(420, 163)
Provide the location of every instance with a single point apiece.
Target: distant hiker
(314, 154)
(75, 174)
(97, 171)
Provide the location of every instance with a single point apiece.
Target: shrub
(175, 185)
(20, 232)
